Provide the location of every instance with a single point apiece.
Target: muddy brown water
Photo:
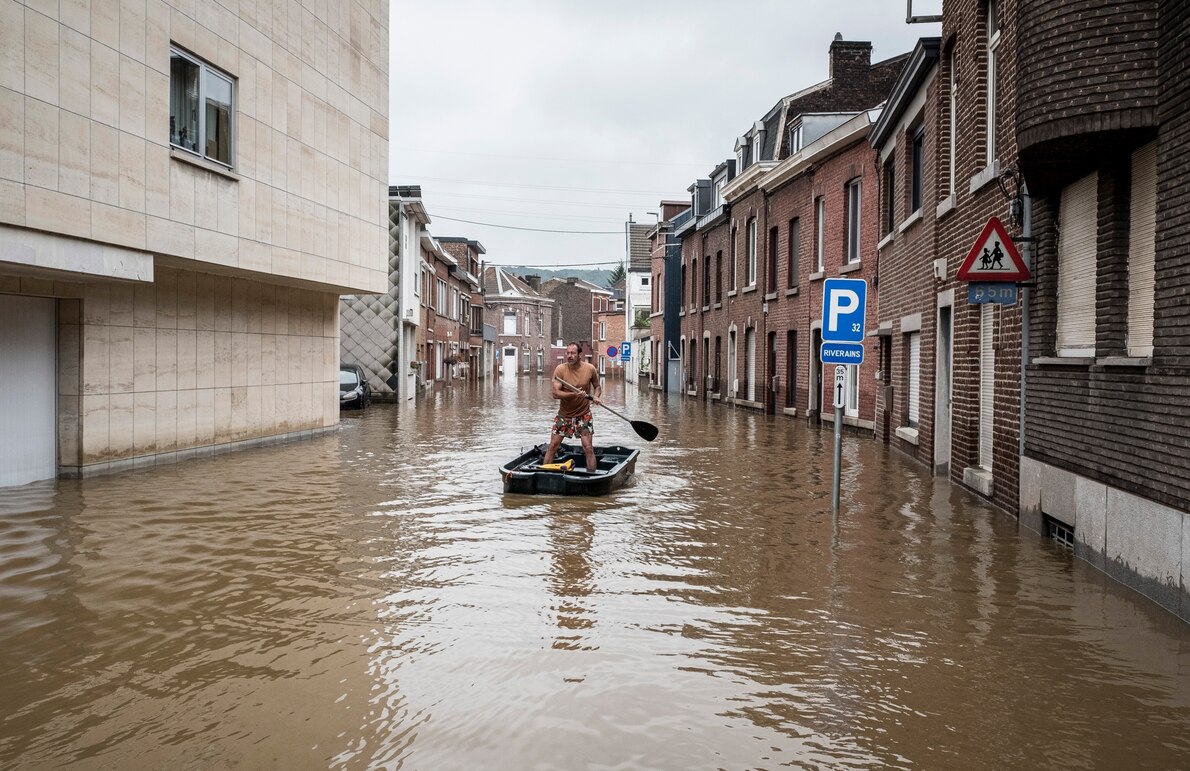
(371, 599)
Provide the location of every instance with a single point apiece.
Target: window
(644, 280)
(540, 324)
(913, 346)
(771, 282)
(1077, 236)
(735, 234)
(993, 54)
(693, 283)
(791, 368)
(794, 246)
(756, 138)
(987, 386)
(919, 161)
(953, 106)
(1142, 232)
(719, 276)
(795, 138)
(890, 195)
(751, 252)
(853, 220)
(454, 304)
(540, 359)
(440, 306)
(706, 281)
(200, 108)
(717, 195)
(509, 323)
(819, 234)
(602, 331)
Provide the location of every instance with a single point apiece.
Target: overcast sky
(568, 115)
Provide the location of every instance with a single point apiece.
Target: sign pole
(840, 386)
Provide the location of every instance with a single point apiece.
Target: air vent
(1058, 531)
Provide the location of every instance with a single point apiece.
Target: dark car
(353, 387)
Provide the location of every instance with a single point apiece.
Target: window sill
(816, 276)
(790, 411)
(771, 295)
(910, 221)
(791, 291)
(717, 306)
(979, 479)
(1124, 361)
(945, 207)
(731, 293)
(706, 308)
(886, 240)
(907, 434)
(851, 267)
(748, 289)
(1064, 361)
(990, 172)
(202, 163)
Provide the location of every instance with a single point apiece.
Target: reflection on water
(372, 600)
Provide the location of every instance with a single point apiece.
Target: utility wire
(556, 266)
(543, 187)
(535, 230)
(563, 160)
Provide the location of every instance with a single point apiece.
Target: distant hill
(596, 277)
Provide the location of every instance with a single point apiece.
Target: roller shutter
(1142, 237)
(1077, 234)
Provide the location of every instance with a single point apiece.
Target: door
(771, 373)
(28, 390)
(814, 403)
(942, 392)
(508, 361)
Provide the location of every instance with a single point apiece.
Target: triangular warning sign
(994, 257)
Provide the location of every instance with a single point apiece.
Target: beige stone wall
(84, 145)
(193, 361)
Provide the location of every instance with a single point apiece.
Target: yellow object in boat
(565, 465)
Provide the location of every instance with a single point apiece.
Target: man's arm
(557, 390)
(597, 387)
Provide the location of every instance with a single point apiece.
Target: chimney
(571, 280)
(850, 59)
(534, 282)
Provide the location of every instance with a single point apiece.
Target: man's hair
(579, 346)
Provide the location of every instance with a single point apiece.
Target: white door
(28, 390)
(508, 362)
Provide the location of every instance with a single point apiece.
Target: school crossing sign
(993, 257)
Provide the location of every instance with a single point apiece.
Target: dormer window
(741, 159)
(795, 138)
(717, 195)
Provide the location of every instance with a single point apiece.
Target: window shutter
(987, 386)
(1142, 247)
(1077, 235)
(914, 378)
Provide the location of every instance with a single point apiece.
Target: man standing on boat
(574, 408)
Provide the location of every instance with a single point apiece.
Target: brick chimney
(534, 282)
(851, 60)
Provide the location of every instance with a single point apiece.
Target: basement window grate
(1060, 532)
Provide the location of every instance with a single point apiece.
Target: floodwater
(371, 599)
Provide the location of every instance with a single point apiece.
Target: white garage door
(28, 390)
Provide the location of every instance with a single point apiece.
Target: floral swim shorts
(572, 427)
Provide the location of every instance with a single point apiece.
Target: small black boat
(568, 474)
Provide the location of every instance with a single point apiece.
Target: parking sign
(844, 301)
(625, 351)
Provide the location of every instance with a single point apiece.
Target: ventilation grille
(1060, 532)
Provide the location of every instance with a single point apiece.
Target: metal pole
(840, 384)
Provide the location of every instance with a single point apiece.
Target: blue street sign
(625, 351)
(612, 352)
(842, 353)
(844, 302)
(1002, 293)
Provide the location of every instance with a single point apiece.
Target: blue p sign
(843, 309)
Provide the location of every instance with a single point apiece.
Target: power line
(539, 187)
(534, 215)
(620, 206)
(535, 230)
(556, 266)
(563, 160)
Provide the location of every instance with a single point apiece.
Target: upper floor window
(201, 107)
(795, 139)
(731, 264)
(509, 327)
(918, 170)
(756, 140)
(751, 252)
(993, 50)
(952, 106)
(794, 246)
(890, 195)
(819, 234)
(853, 220)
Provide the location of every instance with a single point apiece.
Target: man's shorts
(572, 427)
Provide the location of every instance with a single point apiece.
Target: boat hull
(615, 465)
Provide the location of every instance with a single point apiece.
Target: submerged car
(354, 392)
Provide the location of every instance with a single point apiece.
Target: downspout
(1026, 292)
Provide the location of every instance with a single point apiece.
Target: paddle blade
(646, 431)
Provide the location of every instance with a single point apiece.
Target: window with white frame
(917, 186)
(913, 368)
(201, 107)
(1142, 235)
(717, 194)
(1077, 239)
(756, 140)
(751, 252)
(509, 323)
(993, 29)
(454, 304)
(440, 307)
(540, 324)
(819, 234)
(732, 267)
(953, 120)
(795, 138)
(853, 220)
(602, 330)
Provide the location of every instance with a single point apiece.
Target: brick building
(1103, 143)
(446, 299)
(577, 304)
(522, 317)
(467, 253)
(750, 299)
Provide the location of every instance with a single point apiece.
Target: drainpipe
(1026, 292)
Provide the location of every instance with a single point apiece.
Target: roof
(639, 254)
(915, 73)
(498, 282)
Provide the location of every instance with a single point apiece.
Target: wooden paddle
(644, 430)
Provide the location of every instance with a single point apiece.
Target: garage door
(28, 390)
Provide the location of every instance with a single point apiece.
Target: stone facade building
(184, 194)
